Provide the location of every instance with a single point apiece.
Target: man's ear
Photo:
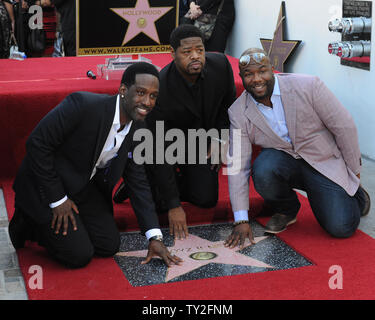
(240, 72)
(173, 53)
(122, 89)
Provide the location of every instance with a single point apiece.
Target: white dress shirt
(275, 117)
(113, 142)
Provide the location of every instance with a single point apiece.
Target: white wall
(307, 20)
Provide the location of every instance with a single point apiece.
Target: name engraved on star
(280, 50)
(142, 12)
(176, 251)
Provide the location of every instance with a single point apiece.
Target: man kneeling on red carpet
(75, 157)
(309, 142)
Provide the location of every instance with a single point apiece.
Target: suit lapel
(119, 163)
(288, 99)
(256, 117)
(126, 144)
(106, 124)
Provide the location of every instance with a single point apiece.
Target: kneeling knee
(264, 177)
(340, 232)
(108, 249)
(206, 203)
(77, 259)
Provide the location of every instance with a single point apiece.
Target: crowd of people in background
(58, 33)
(59, 25)
(191, 10)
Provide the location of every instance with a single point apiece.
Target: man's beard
(269, 85)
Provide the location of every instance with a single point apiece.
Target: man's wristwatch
(158, 238)
(236, 223)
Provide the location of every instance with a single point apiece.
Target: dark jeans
(275, 174)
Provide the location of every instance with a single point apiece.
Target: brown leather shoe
(279, 222)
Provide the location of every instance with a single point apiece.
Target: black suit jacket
(62, 151)
(175, 106)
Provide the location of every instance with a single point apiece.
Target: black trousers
(96, 233)
(219, 37)
(196, 183)
(69, 39)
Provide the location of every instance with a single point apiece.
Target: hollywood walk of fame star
(141, 18)
(278, 49)
(197, 252)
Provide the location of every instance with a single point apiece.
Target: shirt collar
(276, 88)
(116, 120)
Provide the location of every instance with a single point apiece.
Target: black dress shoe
(279, 222)
(121, 194)
(20, 229)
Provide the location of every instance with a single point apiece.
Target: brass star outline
(278, 49)
(194, 244)
(134, 27)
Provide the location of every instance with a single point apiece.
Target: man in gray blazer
(309, 142)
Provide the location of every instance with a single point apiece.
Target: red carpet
(103, 279)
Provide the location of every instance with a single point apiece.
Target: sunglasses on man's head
(257, 57)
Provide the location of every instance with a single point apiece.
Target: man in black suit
(74, 158)
(196, 89)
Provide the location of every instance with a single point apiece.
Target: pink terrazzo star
(141, 19)
(214, 250)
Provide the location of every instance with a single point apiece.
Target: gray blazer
(322, 131)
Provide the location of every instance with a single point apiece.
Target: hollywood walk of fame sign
(115, 27)
(205, 256)
(280, 50)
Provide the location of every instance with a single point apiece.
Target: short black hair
(182, 32)
(128, 78)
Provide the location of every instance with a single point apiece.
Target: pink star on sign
(196, 252)
(141, 19)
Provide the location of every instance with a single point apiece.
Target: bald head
(254, 50)
(254, 56)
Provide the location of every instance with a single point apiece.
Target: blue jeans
(275, 173)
